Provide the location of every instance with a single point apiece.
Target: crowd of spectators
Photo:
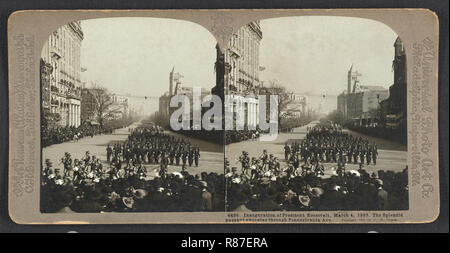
(351, 190)
(85, 186)
(60, 134)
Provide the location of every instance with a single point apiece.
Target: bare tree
(284, 97)
(104, 106)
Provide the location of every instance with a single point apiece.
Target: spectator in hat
(382, 196)
(206, 197)
(238, 198)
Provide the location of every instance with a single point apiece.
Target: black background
(440, 225)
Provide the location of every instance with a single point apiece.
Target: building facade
(164, 100)
(394, 108)
(120, 107)
(88, 105)
(177, 88)
(60, 74)
(297, 106)
(237, 71)
(361, 103)
(164, 105)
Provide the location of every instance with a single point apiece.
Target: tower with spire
(349, 80)
(399, 62)
(352, 80)
(171, 81)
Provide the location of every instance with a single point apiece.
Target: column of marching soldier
(325, 143)
(329, 144)
(144, 145)
(151, 145)
(303, 184)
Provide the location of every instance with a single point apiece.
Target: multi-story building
(164, 100)
(237, 70)
(176, 88)
(120, 106)
(394, 107)
(352, 80)
(60, 74)
(297, 105)
(164, 105)
(361, 103)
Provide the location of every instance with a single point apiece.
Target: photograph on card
(316, 116)
(120, 98)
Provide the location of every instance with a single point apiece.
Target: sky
(135, 55)
(309, 55)
(312, 54)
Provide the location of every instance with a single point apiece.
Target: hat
(236, 180)
(140, 193)
(128, 202)
(316, 192)
(304, 200)
(265, 180)
(59, 181)
(203, 184)
(354, 172)
(290, 194)
(178, 174)
(379, 182)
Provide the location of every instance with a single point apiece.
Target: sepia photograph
(106, 138)
(341, 142)
(262, 116)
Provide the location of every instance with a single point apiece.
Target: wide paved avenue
(211, 155)
(391, 156)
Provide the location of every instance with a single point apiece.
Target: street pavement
(391, 156)
(211, 155)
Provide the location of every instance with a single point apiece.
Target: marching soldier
(87, 158)
(108, 153)
(172, 156)
(191, 157)
(184, 157)
(197, 156)
(48, 169)
(362, 156)
(368, 157)
(287, 151)
(374, 155)
(355, 157)
(177, 157)
(67, 161)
